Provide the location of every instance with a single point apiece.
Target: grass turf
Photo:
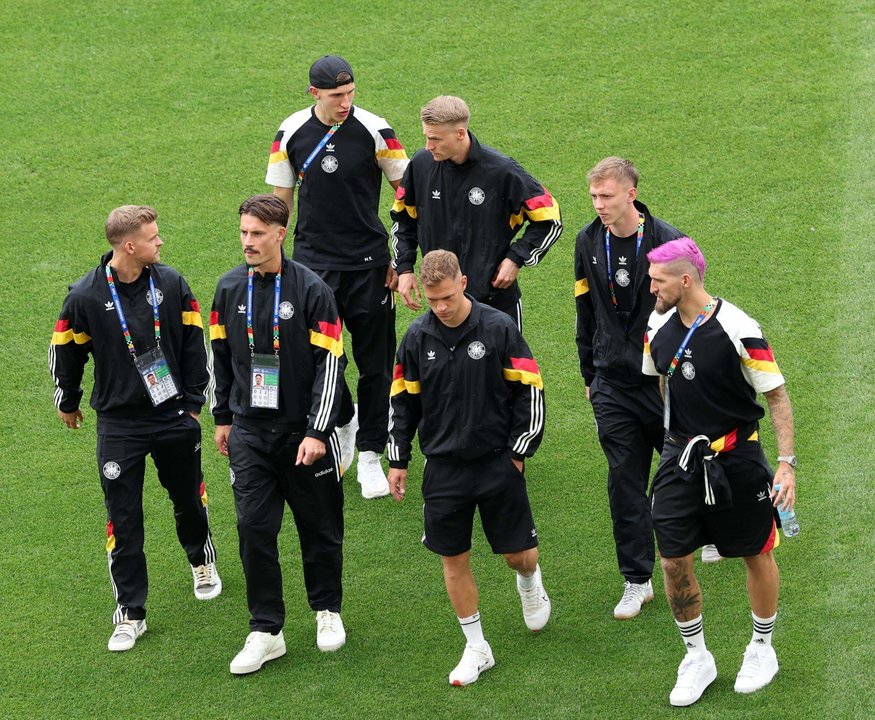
(752, 124)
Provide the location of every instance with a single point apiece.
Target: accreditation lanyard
(264, 369)
(333, 129)
(121, 313)
(152, 366)
(608, 253)
(276, 312)
(677, 356)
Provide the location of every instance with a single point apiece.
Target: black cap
(330, 71)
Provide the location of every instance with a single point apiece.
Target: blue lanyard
(129, 341)
(276, 312)
(686, 341)
(608, 253)
(333, 129)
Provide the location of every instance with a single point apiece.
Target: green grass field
(752, 124)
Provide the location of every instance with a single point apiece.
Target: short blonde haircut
(437, 266)
(615, 168)
(446, 110)
(127, 219)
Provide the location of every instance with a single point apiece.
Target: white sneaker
(536, 604)
(346, 438)
(125, 634)
(696, 672)
(635, 596)
(475, 660)
(760, 665)
(207, 583)
(371, 476)
(258, 649)
(330, 633)
(710, 554)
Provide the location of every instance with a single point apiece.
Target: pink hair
(683, 249)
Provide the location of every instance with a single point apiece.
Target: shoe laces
(126, 627)
(750, 665)
(327, 621)
(631, 592)
(688, 669)
(473, 655)
(532, 596)
(203, 575)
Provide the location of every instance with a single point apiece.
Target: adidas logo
(534, 532)
(435, 194)
(688, 353)
(594, 261)
(761, 495)
(760, 641)
(241, 309)
(690, 645)
(197, 447)
(430, 355)
(329, 147)
(323, 472)
(110, 305)
(622, 260)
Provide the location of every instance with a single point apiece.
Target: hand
(196, 416)
(786, 477)
(72, 420)
(391, 278)
(587, 394)
(506, 274)
(221, 438)
(519, 465)
(309, 451)
(408, 288)
(397, 483)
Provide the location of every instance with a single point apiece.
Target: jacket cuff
(518, 457)
(398, 464)
(323, 437)
(224, 419)
(516, 256)
(404, 267)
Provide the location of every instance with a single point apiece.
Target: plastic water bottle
(789, 523)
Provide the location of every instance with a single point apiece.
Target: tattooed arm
(782, 422)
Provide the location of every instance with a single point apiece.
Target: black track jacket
(312, 360)
(88, 324)
(606, 347)
(485, 395)
(474, 210)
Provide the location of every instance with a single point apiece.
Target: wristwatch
(789, 459)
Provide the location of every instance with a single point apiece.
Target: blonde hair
(437, 266)
(615, 168)
(127, 219)
(446, 110)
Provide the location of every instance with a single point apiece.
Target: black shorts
(451, 491)
(682, 522)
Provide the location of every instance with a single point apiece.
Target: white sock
(762, 629)
(473, 629)
(693, 634)
(527, 582)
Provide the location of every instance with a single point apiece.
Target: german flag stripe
(332, 330)
(397, 372)
(278, 157)
(110, 536)
(195, 306)
(755, 343)
(192, 318)
(761, 354)
(331, 344)
(525, 371)
(203, 493)
(581, 287)
(390, 139)
(62, 338)
(761, 365)
(62, 325)
(646, 344)
(401, 385)
(772, 541)
(725, 443)
(217, 332)
(399, 206)
(392, 154)
(540, 201)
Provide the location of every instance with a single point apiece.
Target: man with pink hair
(714, 484)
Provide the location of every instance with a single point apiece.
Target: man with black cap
(333, 154)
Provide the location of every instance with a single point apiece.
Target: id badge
(155, 374)
(265, 382)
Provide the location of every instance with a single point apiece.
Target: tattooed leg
(682, 587)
